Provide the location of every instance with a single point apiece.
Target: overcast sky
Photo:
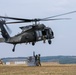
(64, 42)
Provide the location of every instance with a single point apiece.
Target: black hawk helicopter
(31, 33)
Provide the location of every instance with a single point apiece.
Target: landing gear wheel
(14, 48)
(49, 41)
(33, 43)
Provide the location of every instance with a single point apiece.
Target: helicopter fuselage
(32, 33)
(29, 34)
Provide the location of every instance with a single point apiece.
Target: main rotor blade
(35, 20)
(55, 19)
(15, 22)
(40, 20)
(26, 20)
(60, 15)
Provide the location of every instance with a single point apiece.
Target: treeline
(60, 59)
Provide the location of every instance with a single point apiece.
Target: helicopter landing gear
(49, 41)
(33, 43)
(14, 48)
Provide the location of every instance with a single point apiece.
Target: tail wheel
(49, 41)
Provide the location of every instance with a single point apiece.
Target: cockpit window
(50, 31)
(44, 32)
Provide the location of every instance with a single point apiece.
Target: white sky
(64, 42)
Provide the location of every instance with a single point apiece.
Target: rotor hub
(2, 21)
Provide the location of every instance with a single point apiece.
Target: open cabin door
(38, 35)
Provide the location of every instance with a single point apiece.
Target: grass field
(45, 69)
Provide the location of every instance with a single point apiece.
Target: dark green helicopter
(31, 33)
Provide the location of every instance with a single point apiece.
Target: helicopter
(31, 33)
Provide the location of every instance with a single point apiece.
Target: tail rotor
(5, 30)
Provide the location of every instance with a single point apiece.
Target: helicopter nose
(52, 35)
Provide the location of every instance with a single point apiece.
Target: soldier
(36, 59)
(39, 62)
